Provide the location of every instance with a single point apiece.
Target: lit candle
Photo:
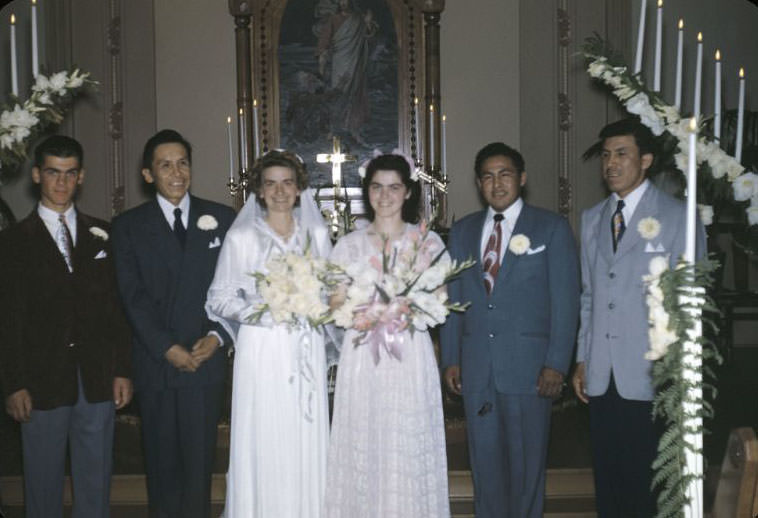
(242, 139)
(740, 117)
(256, 142)
(444, 146)
(658, 36)
(14, 65)
(679, 52)
(717, 99)
(231, 153)
(431, 137)
(689, 247)
(640, 37)
(417, 124)
(35, 49)
(698, 74)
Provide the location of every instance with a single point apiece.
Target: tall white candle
(231, 152)
(35, 49)
(256, 140)
(14, 63)
(698, 75)
(689, 247)
(241, 128)
(740, 117)
(431, 137)
(658, 44)
(444, 146)
(640, 37)
(717, 99)
(679, 52)
(417, 124)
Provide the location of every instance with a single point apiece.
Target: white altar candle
(698, 74)
(231, 152)
(740, 117)
(658, 37)
(640, 37)
(256, 142)
(444, 146)
(241, 128)
(417, 124)
(717, 99)
(431, 137)
(14, 64)
(679, 52)
(35, 48)
(689, 247)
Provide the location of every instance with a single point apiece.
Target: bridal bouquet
(403, 292)
(294, 289)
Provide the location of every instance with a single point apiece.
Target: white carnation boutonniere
(99, 232)
(649, 228)
(519, 244)
(207, 222)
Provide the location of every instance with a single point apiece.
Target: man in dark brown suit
(64, 342)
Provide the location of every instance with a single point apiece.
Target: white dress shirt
(510, 216)
(631, 201)
(50, 219)
(168, 209)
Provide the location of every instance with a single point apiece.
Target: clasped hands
(549, 383)
(190, 361)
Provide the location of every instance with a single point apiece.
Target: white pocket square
(101, 255)
(537, 250)
(657, 249)
(215, 243)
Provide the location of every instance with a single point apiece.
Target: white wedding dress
(387, 455)
(280, 420)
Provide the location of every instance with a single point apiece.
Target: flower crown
(396, 151)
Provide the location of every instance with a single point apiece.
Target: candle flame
(13, 19)
(681, 24)
(431, 107)
(415, 100)
(444, 118)
(693, 124)
(660, 4)
(700, 37)
(742, 73)
(718, 55)
(240, 111)
(228, 120)
(255, 102)
(34, 2)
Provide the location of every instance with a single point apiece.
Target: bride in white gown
(387, 454)
(279, 422)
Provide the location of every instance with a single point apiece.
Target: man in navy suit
(166, 251)
(509, 352)
(64, 342)
(612, 374)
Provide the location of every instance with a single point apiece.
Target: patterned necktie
(64, 242)
(491, 261)
(618, 225)
(179, 231)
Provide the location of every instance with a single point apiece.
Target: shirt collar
(510, 214)
(633, 198)
(168, 208)
(50, 217)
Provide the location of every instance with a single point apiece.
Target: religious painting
(338, 77)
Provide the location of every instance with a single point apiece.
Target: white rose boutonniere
(649, 228)
(99, 232)
(207, 222)
(519, 244)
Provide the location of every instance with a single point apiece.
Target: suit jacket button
(71, 344)
(490, 306)
(612, 275)
(611, 305)
(607, 336)
(492, 335)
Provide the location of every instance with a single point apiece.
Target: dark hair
(497, 149)
(397, 163)
(632, 127)
(59, 146)
(281, 158)
(165, 136)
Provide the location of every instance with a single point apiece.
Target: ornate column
(241, 10)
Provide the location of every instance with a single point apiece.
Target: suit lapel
(193, 247)
(524, 225)
(603, 236)
(645, 208)
(87, 245)
(474, 247)
(45, 243)
(161, 238)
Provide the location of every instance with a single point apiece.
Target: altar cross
(336, 158)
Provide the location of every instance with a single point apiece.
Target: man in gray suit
(612, 374)
(508, 354)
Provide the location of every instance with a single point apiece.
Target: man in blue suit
(165, 252)
(612, 374)
(509, 353)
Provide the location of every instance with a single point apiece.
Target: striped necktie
(618, 225)
(179, 230)
(64, 242)
(491, 260)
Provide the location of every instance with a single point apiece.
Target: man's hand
(19, 405)
(122, 392)
(549, 383)
(204, 348)
(578, 380)
(452, 378)
(180, 358)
